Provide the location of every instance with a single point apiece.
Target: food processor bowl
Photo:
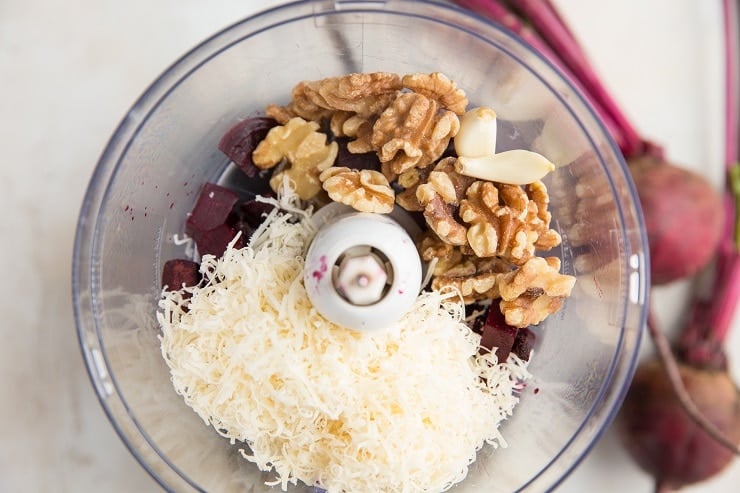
(166, 148)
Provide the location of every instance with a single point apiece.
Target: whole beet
(683, 217)
(663, 439)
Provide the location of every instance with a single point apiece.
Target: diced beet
(251, 212)
(211, 210)
(524, 343)
(178, 272)
(368, 160)
(215, 241)
(247, 217)
(246, 229)
(241, 140)
(498, 334)
(477, 323)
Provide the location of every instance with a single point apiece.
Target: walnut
(441, 183)
(411, 132)
(447, 256)
(407, 200)
(348, 124)
(307, 104)
(306, 151)
(410, 180)
(281, 114)
(504, 221)
(440, 218)
(533, 291)
(337, 121)
(547, 238)
(439, 87)
(364, 190)
(364, 94)
(474, 278)
(440, 197)
(438, 185)
(471, 287)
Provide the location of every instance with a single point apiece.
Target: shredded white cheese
(398, 410)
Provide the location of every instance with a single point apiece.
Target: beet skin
(683, 217)
(241, 140)
(663, 439)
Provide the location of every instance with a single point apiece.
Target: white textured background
(70, 69)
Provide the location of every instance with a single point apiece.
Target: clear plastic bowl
(166, 148)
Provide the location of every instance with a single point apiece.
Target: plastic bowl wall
(166, 148)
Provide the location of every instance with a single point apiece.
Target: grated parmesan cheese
(400, 410)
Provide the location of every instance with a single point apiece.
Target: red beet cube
(524, 343)
(211, 210)
(215, 241)
(244, 227)
(251, 212)
(498, 334)
(241, 140)
(177, 273)
(247, 217)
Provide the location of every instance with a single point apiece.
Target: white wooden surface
(70, 69)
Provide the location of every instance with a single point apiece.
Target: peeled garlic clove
(477, 134)
(517, 167)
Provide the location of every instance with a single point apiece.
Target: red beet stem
(551, 27)
(732, 123)
(663, 348)
(726, 288)
(732, 206)
(732, 86)
(723, 309)
(501, 14)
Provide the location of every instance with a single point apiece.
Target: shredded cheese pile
(399, 410)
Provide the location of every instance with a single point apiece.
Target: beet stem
(551, 27)
(670, 366)
(732, 115)
(726, 297)
(732, 80)
(726, 286)
(501, 13)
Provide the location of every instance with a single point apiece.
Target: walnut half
(439, 87)
(507, 220)
(364, 190)
(305, 149)
(534, 291)
(440, 198)
(412, 132)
